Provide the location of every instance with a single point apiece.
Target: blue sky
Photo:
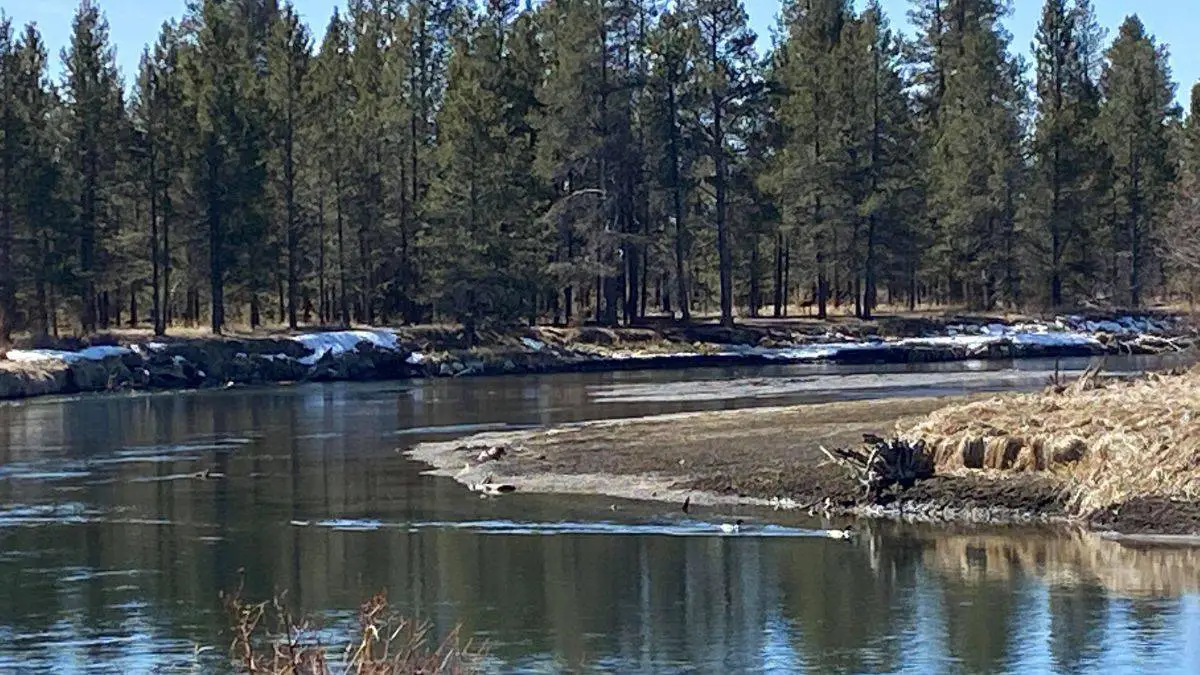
(134, 23)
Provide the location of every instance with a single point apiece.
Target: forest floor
(1114, 456)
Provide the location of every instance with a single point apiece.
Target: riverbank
(1068, 456)
(140, 361)
(758, 457)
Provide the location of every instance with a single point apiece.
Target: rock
(87, 375)
(23, 382)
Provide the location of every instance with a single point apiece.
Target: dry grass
(1109, 441)
(269, 640)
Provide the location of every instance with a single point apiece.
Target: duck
(487, 487)
(732, 528)
(847, 533)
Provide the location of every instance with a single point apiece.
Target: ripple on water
(23, 515)
(681, 528)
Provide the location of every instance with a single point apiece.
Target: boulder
(25, 381)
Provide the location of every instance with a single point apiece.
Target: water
(113, 551)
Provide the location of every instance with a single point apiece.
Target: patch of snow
(535, 345)
(90, 354)
(340, 342)
(416, 358)
(156, 346)
(1054, 339)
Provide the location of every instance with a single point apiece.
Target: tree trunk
(725, 260)
(289, 187)
(778, 275)
(341, 253)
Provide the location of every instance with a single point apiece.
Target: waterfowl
(492, 453)
(686, 502)
(728, 528)
(487, 487)
(847, 533)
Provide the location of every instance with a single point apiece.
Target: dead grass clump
(1109, 441)
(269, 640)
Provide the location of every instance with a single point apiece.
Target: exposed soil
(1150, 516)
(772, 456)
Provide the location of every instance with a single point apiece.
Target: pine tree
(1181, 240)
(332, 95)
(974, 155)
(1063, 193)
(93, 92)
(481, 197)
(671, 93)
(11, 145)
(230, 179)
(43, 211)
(726, 72)
(157, 119)
(288, 57)
(803, 177)
(1135, 117)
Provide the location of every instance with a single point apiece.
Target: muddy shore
(772, 457)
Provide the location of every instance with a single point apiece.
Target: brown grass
(1109, 441)
(269, 640)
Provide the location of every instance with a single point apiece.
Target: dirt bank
(765, 456)
(772, 456)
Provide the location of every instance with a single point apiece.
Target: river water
(112, 552)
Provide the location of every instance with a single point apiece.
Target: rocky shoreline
(377, 354)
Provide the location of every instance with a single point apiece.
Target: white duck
(732, 528)
(847, 533)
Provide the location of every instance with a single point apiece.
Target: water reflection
(113, 546)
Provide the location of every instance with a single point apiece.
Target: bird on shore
(847, 533)
(732, 528)
(686, 502)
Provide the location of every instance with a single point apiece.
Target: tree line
(587, 160)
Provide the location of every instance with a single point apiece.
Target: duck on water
(739, 526)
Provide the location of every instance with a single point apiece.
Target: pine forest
(578, 161)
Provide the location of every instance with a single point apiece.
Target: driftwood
(882, 463)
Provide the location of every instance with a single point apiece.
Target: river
(112, 552)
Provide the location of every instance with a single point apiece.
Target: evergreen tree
(1136, 116)
(802, 178)
(673, 156)
(288, 58)
(1065, 161)
(481, 196)
(1181, 240)
(974, 161)
(332, 96)
(93, 95)
(43, 211)
(726, 67)
(12, 143)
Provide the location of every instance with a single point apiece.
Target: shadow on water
(121, 517)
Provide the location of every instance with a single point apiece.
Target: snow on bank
(89, 354)
(340, 342)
